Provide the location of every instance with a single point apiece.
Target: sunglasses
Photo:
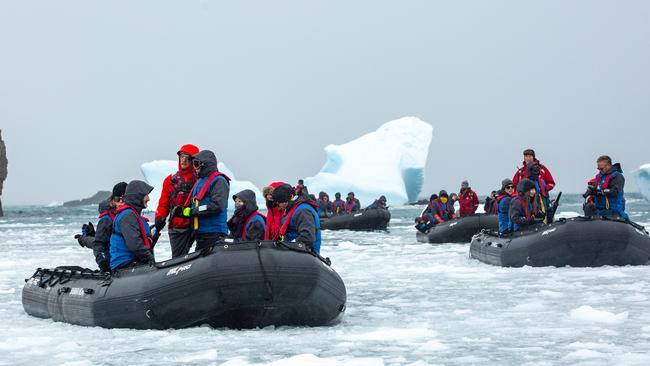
(197, 164)
(510, 187)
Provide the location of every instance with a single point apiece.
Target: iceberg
(642, 176)
(156, 171)
(389, 161)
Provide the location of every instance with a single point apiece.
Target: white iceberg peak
(642, 176)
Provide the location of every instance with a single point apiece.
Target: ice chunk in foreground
(389, 161)
(587, 314)
(156, 171)
(642, 176)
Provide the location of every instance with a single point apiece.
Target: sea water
(408, 304)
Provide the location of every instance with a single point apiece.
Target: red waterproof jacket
(170, 197)
(273, 217)
(544, 173)
(468, 201)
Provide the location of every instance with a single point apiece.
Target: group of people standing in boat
(524, 200)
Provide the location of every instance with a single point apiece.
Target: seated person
(607, 191)
(524, 210)
(379, 203)
(300, 221)
(352, 204)
(246, 223)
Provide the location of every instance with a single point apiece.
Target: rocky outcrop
(3, 168)
(94, 200)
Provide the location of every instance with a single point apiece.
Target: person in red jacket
(175, 193)
(544, 174)
(468, 200)
(273, 214)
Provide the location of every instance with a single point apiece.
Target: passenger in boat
(273, 214)
(608, 190)
(208, 209)
(352, 204)
(131, 237)
(324, 205)
(490, 206)
(99, 240)
(468, 200)
(502, 204)
(300, 221)
(523, 209)
(443, 208)
(544, 172)
(453, 198)
(338, 205)
(246, 223)
(379, 203)
(301, 190)
(175, 194)
(534, 174)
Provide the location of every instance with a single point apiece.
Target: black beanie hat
(282, 193)
(525, 185)
(119, 189)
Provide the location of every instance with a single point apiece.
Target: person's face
(532, 192)
(145, 200)
(283, 205)
(269, 197)
(443, 199)
(184, 160)
(238, 202)
(115, 202)
(510, 189)
(529, 158)
(197, 166)
(603, 166)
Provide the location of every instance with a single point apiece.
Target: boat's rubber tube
(576, 242)
(459, 230)
(242, 285)
(366, 220)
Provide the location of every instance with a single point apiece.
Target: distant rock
(94, 200)
(3, 167)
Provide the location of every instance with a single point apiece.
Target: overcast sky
(91, 89)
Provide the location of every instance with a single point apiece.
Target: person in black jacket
(246, 223)
(524, 210)
(300, 221)
(99, 240)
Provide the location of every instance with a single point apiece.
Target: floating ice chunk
(389, 161)
(642, 176)
(587, 314)
(208, 355)
(156, 171)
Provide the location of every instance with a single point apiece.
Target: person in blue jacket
(608, 190)
(502, 203)
(246, 223)
(300, 221)
(208, 204)
(131, 239)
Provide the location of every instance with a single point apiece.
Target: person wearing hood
(273, 213)
(544, 172)
(324, 205)
(468, 200)
(443, 208)
(608, 189)
(208, 210)
(352, 204)
(131, 239)
(490, 206)
(535, 175)
(338, 205)
(246, 224)
(300, 221)
(502, 204)
(99, 240)
(175, 193)
(379, 203)
(426, 219)
(523, 210)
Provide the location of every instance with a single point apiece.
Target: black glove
(78, 237)
(102, 262)
(160, 223)
(600, 192)
(88, 229)
(177, 211)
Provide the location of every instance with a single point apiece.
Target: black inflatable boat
(459, 230)
(576, 242)
(366, 220)
(243, 285)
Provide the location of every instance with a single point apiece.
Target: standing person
(273, 214)
(324, 205)
(175, 193)
(545, 173)
(608, 190)
(338, 205)
(502, 204)
(300, 190)
(300, 222)
(468, 200)
(246, 223)
(209, 201)
(535, 175)
(131, 237)
(490, 206)
(352, 204)
(523, 209)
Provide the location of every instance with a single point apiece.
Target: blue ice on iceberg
(642, 176)
(156, 171)
(389, 161)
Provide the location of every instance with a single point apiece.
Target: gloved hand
(102, 262)
(88, 229)
(160, 223)
(78, 238)
(177, 211)
(600, 192)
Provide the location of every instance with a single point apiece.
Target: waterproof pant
(181, 241)
(206, 240)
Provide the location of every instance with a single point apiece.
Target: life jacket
(288, 230)
(208, 223)
(110, 215)
(443, 211)
(504, 217)
(254, 217)
(528, 208)
(179, 197)
(120, 252)
(339, 206)
(352, 206)
(616, 204)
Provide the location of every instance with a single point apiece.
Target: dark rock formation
(94, 200)
(3, 167)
